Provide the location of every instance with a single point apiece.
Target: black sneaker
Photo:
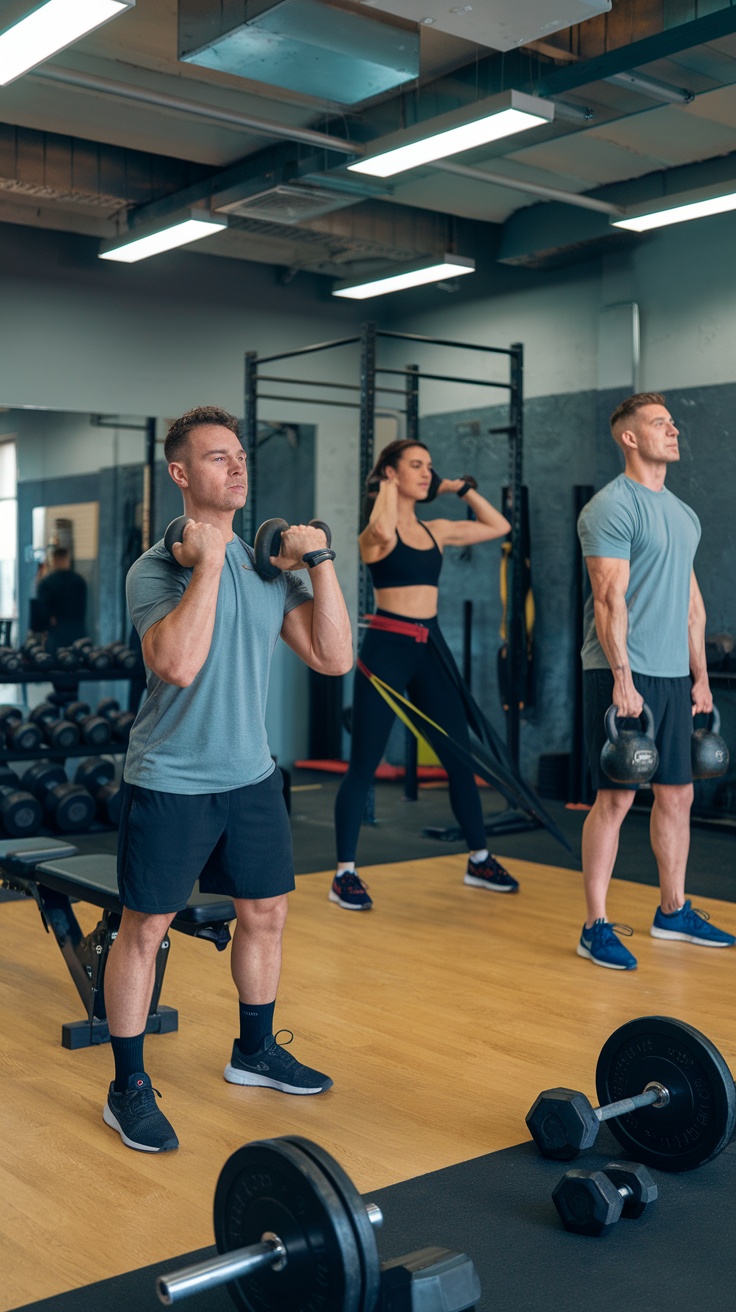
(489, 873)
(272, 1067)
(137, 1119)
(349, 891)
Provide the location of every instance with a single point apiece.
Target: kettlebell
(708, 751)
(629, 756)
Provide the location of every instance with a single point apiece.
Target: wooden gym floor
(440, 1015)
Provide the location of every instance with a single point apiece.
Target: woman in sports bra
(404, 557)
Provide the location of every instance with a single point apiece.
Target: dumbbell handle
(654, 1095)
(235, 1265)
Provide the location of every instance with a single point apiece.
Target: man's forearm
(696, 642)
(331, 635)
(181, 642)
(612, 627)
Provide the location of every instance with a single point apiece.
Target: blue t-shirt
(659, 535)
(211, 736)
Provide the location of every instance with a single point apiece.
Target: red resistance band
(416, 630)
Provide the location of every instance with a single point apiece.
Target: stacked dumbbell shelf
(42, 789)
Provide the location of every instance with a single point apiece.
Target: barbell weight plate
(272, 1186)
(356, 1210)
(700, 1117)
(267, 543)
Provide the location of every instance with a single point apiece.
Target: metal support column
(250, 429)
(516, 640)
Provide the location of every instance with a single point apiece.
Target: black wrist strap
(466, 487)
(312, 558)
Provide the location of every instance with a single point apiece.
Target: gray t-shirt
(211, 736)
(659, 535)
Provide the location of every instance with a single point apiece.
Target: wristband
(467, 487)
(312, 558)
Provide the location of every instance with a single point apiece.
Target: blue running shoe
(489, 873)
(601, 946)
(349, 891)
(137, 1119)
(690, 926)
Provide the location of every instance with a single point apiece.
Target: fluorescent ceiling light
(413, 275)
(179, 230)
(678, 209)
(474, 125)
(49, 29)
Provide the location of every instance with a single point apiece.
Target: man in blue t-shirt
(644, 643)
(202, 798)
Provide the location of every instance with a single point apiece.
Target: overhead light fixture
(51, 28)
(433, 269)
(462, 129)
(652, 87)
(149, 239)
(677, 209)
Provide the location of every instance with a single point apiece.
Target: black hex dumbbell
(10, 660)
(66, 659)
(122, 656)
(591, 1202)
(94, 729)
(122, 721)
(95, 658)
(562, 1122)
(67, 806)
(35, 655)
(19, 733)
(61, 734)
(98, 777)
(20, 812)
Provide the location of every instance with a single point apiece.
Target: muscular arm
(319, 630)
(609, 579)
(701, 694)
(488, 524)
(177, 646)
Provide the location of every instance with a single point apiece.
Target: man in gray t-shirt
(202, 798)
(644, 643)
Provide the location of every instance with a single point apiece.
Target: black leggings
(411, 667)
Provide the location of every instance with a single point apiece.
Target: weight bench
(51, 872)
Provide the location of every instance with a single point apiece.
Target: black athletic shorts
(671, 705)
(236, 843)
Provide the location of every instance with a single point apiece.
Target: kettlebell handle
(714, 720)
(612, 716)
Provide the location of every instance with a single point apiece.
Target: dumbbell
(10, 660)
(95, 658)
(62, 734)
(94, 729)
(591, 1202)
(66, 659)
(664, 1087)
(98, 777)
(19, 733)
(122, 656)
(267, 541)
(36, 655)
(67, 805)
(293, 1232)
(122, 721)
(709, 753)
(20, 812)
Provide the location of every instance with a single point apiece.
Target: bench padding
(94, 879)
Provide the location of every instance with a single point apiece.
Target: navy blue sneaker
(349, 891)
(601, 946)
(272, 1067)
(489, 873)
(690, 926)
(137, 1119)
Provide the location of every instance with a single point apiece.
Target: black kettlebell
(629, 756)
(268, 543)
(708, 751)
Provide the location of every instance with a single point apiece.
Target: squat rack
(364, 400)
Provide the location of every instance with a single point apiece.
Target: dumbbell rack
(66, 683)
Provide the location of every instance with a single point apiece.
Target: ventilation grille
(289, 204)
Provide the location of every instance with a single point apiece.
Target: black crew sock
(256, 1022)
(128, 1054)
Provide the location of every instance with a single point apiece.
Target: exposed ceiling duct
(501, 25)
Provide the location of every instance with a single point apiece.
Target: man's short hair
(60, 553)
(628, 408)
(176, 438)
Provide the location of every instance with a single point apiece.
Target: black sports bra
(408, 567)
